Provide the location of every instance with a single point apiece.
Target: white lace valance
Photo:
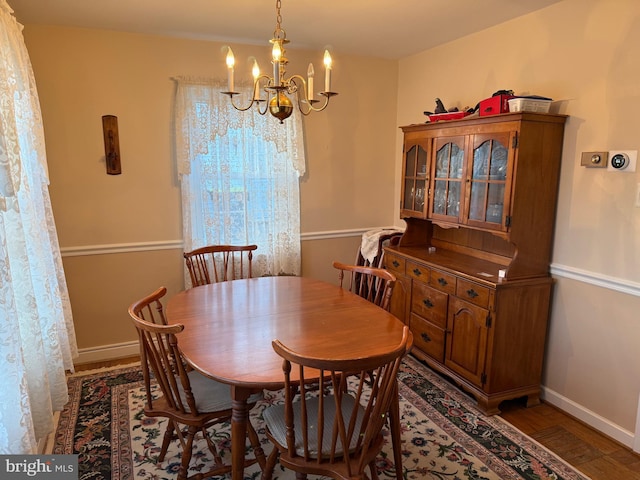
(208, 113)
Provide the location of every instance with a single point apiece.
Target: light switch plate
(594, 159)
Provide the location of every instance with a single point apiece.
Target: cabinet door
(467, 340)
(447, 187)
(415, 180)
(489, 181)
(399, 305)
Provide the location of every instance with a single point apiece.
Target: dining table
(229, 328)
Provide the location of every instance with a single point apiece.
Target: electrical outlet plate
(632, 156)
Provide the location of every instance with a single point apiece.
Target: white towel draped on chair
(371, 240)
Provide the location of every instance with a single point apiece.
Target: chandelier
(279, 90)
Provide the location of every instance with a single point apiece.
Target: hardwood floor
(593, 453)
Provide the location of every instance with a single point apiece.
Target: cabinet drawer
(427, 337)
(417, 271)
(472, 292)
(429, 303)
(393, 262)
(443, 281)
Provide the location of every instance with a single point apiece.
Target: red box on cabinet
(494, 105)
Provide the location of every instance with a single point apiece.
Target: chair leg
(186, 454)
(267, 471)
(255, 443)
(168, 436)
(396, 436)
(374, 470)
(212, 448)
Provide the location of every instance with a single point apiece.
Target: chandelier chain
(278, 31)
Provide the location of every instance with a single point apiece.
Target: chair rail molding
(594, 278)
(598, 279)
(113, 248)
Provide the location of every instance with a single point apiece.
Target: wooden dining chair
(190, 401)
(219, 263)
(336, 433)
(373, 284)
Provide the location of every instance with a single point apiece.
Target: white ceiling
(389, 29)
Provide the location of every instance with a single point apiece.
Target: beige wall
(585, 54)
(110, 226)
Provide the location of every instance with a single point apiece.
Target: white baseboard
(592, 419)
(106, 352)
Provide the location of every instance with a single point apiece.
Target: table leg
(396, 438)
(239, 419)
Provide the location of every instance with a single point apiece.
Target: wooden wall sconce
(111, 144)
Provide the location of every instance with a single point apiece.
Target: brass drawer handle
(427, 303)
(425, 337)
(395, 263)
(417, 272)
(442, 281)
(472, 293)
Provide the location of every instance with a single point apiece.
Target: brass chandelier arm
(303, 97)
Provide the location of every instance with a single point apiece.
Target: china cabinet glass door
(448, 171)
(414, 189)
(488, 194)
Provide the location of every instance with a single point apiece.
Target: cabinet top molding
(500, 118)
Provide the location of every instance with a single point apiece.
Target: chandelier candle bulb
(310, 74)
(276, 53)
(256, 86)
(230, 63)
(327, 72)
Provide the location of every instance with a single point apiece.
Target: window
(239, 175)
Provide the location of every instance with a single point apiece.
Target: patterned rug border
(462, 405)
(542, 453)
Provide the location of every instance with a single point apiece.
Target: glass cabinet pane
(421, 163)
(481, 161)
(476, 210)
(439, 195)
(457, 159)
(499, 162)
(419, 196)
(453, 199)
(407, 201)
(415, 177)
(495, 203)
(488, 178)
(410, 161)
(448, 179)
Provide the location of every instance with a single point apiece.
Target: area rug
(444, 436)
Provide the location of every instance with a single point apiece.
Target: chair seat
(210, 395)
(274, 417)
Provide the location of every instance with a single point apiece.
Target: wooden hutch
(479, 199)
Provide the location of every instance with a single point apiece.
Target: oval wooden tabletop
(229, 326)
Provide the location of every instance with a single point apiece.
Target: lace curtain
(37, 340)
(239, 175)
